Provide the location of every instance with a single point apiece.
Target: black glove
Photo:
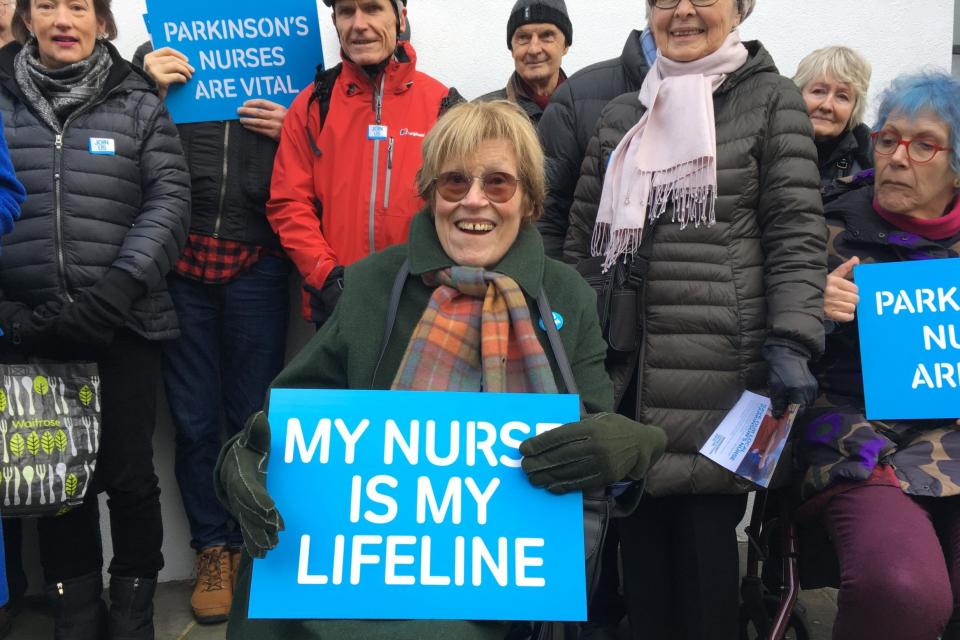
(596, 452)
(324, 300)
(97, 312)
(240, 480)
(22, 325)
(790, 379)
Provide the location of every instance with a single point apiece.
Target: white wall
(463, 43)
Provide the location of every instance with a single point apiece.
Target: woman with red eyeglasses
(889, 493)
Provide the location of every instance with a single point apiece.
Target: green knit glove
(596, 452)
(241, 486)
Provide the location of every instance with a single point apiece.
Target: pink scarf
(942, 228)
(669, 156)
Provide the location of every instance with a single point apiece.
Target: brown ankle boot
(213, 591)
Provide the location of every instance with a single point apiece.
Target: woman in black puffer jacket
(82, 278)
(724, 166)
(834, 82)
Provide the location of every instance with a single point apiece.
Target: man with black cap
(539, 34)
(344, 177)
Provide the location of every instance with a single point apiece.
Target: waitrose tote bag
(49, 435)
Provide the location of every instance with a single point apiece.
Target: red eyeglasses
(919, 150)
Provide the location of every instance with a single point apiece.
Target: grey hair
(843, 64)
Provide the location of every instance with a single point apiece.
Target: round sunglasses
(497, 186)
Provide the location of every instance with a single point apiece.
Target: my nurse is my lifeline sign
(412, 505)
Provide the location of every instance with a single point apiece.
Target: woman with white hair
(706, 184)
(834, 82)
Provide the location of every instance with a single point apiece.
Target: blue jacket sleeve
(12, 193)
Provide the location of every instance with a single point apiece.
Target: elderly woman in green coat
(476, 270)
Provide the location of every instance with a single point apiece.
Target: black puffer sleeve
(790, 214)
(558, 134)
(154, 242)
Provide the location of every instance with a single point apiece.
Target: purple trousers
(899, 564)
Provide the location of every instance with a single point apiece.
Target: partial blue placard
(241, 49)
(424, 515)
(909, 320)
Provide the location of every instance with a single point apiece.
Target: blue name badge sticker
(103, 146)
(412, 505)
(377, 132)
(909, 322)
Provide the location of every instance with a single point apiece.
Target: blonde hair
(843, 64)
(460, 132)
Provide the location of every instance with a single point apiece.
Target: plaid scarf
(476, 334)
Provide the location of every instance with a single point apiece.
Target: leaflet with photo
(749, 440)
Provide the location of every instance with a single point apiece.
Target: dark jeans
(899, 564)
(232, 343)
(681, 567)
(70, 545)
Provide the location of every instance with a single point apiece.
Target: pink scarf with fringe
(669, 156)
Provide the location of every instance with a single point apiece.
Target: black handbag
(619, 292)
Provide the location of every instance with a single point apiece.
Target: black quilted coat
(567, 125)
(714, 295)
(84, 212)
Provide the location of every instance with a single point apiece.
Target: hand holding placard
(592, 454)
(263, 117)
(840, 298)
(167, 66)
(242, 476)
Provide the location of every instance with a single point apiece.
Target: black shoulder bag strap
(395, 293)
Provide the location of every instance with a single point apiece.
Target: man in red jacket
(344, 177)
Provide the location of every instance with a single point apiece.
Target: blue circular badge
(557, 320)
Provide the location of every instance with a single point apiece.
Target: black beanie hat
(539, 11)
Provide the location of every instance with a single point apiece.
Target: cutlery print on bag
(7, 400)
(49, 436)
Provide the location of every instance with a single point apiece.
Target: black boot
(131, 608)
(79, 612)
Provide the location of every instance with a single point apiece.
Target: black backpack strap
(323, 83)
(452, 99)
(395, 294)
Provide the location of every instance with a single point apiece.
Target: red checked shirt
(216, 260)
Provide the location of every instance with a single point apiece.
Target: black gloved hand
(790, 379)
(240, 481)
(593, 453)
(324, 300)
(97, 312)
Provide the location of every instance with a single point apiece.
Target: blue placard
(240, 49)
(412, 505)
(909, 320)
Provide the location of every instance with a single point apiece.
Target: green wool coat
(344, 353)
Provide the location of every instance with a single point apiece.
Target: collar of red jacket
(399, 73)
